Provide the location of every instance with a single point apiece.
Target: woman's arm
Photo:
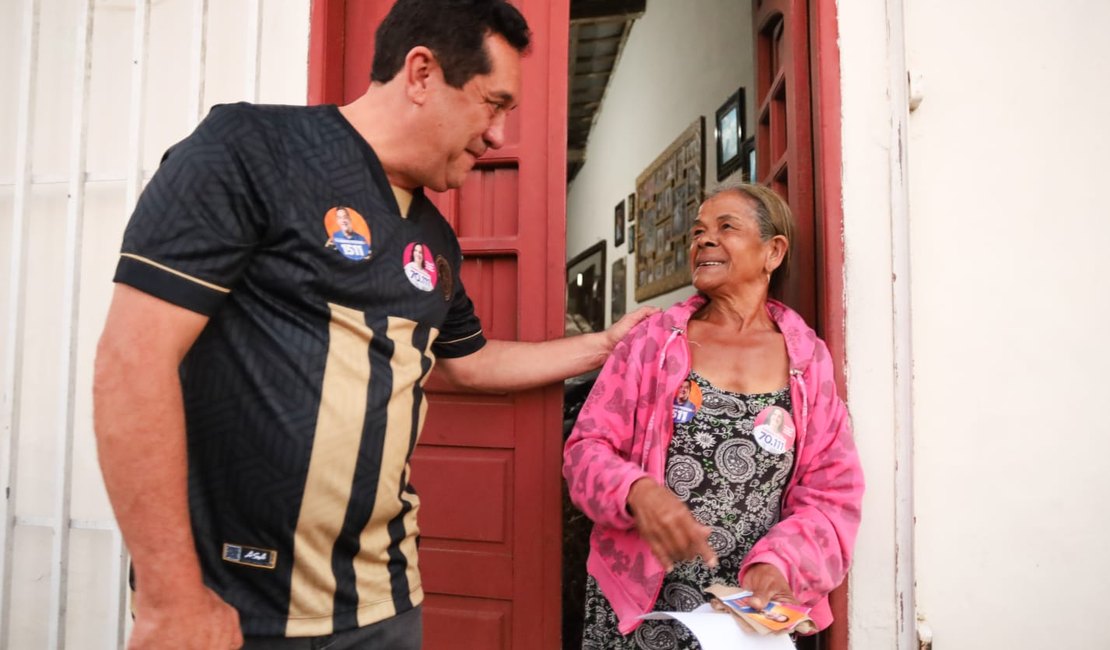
(597, 458)
(812, 544)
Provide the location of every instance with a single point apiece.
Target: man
(257, 397)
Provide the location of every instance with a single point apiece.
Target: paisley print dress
(731, 483)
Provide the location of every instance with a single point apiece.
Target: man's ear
(421, 66)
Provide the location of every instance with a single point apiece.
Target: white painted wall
(681, 60)
(867, 116)
(169, 111)
(1008, 233)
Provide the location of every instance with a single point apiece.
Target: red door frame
(325, 84)
(827, 159)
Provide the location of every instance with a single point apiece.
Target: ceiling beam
(595, 10)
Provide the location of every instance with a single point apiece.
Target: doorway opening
(640, 74)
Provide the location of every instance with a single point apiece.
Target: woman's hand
(766, 583)
(667, 525)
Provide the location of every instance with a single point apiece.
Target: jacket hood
(801, 340)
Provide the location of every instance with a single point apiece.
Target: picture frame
(668, 191)
(618, 300)
(747, 154)
(631, 238)
(618, 224)
(731, 131)
(586, 286)
(631, 209)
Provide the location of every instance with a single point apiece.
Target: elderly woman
(759, 488)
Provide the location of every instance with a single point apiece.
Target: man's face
(344, 220)
(471, 119)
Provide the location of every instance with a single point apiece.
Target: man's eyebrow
(503, 96)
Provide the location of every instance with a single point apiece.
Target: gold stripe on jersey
(372, 580)
(460, 340)
(404, 200)
(331, 472)
(150, 262)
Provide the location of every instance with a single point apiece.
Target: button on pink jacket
(625, 428)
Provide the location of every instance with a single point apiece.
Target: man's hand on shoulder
(185, 620)
(621, 328)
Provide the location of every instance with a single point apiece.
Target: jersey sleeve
(201, 216)
(462, 331)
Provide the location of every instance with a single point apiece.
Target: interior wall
(1007, 250)
(681, 60)
(168, 113)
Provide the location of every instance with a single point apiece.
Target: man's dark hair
(455, 30)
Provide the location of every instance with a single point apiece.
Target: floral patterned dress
(731, 483)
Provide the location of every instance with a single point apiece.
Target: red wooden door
(784, 135)
(488, 467)
(790, 94)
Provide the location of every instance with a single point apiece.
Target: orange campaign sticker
(774, 430)
(687, 401)
(348, 233)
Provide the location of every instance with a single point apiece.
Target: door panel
(487, 466)
(784, 140)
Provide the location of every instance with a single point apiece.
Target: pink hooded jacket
(625, 428)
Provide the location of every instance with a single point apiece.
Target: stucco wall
(681, 60)
(167, 116)
(1007, 237)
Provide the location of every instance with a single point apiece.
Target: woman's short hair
(455, 30)
(773, 214)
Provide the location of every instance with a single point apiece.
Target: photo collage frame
(668, 194)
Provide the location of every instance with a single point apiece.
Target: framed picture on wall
(618, 224)
(617, 296)
(631, 209)
(730, 133)
(747, 156)
(668, 191)
(631, 238)
(586, 286)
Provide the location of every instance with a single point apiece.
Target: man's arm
(140, 431)
(514, 365)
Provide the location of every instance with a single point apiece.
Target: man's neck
(381, 116)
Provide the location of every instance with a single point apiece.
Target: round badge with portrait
(774, 430)
(420, 266)
(687, 401)
(347, 232)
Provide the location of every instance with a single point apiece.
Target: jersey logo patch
(420, 267)
(262, 558)
(348, 233)
(446, 280)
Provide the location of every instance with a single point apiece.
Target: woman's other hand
(766, 583)
(667, 525)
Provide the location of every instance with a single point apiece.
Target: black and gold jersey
(303, 394)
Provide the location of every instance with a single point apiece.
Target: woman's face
(775, 420)
(418, 255)
(726, 251)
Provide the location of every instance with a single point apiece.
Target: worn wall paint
(1007, 238)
